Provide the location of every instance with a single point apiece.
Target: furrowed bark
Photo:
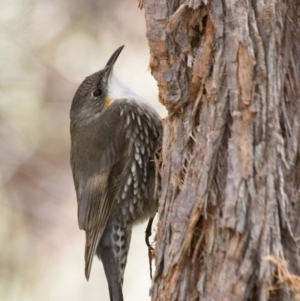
(228, 72)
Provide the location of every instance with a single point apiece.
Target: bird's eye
(97, 93)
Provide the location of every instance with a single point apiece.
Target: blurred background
(47, 48)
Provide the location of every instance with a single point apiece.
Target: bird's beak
(110, 64)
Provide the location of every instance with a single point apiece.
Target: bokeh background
(46, 49)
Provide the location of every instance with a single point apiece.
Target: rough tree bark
(229, 73)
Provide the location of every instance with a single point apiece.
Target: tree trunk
(229, 74)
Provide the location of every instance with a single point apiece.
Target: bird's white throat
(118, 90)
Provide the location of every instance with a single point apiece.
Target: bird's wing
(93, 212)
(101, 188)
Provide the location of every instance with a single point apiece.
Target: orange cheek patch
(107, 102)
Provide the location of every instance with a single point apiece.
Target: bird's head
(97, 92)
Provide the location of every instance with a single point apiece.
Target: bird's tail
(113, 249)
(113, 274)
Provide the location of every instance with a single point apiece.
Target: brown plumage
(114, 135)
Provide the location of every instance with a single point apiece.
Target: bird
(114, 137)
